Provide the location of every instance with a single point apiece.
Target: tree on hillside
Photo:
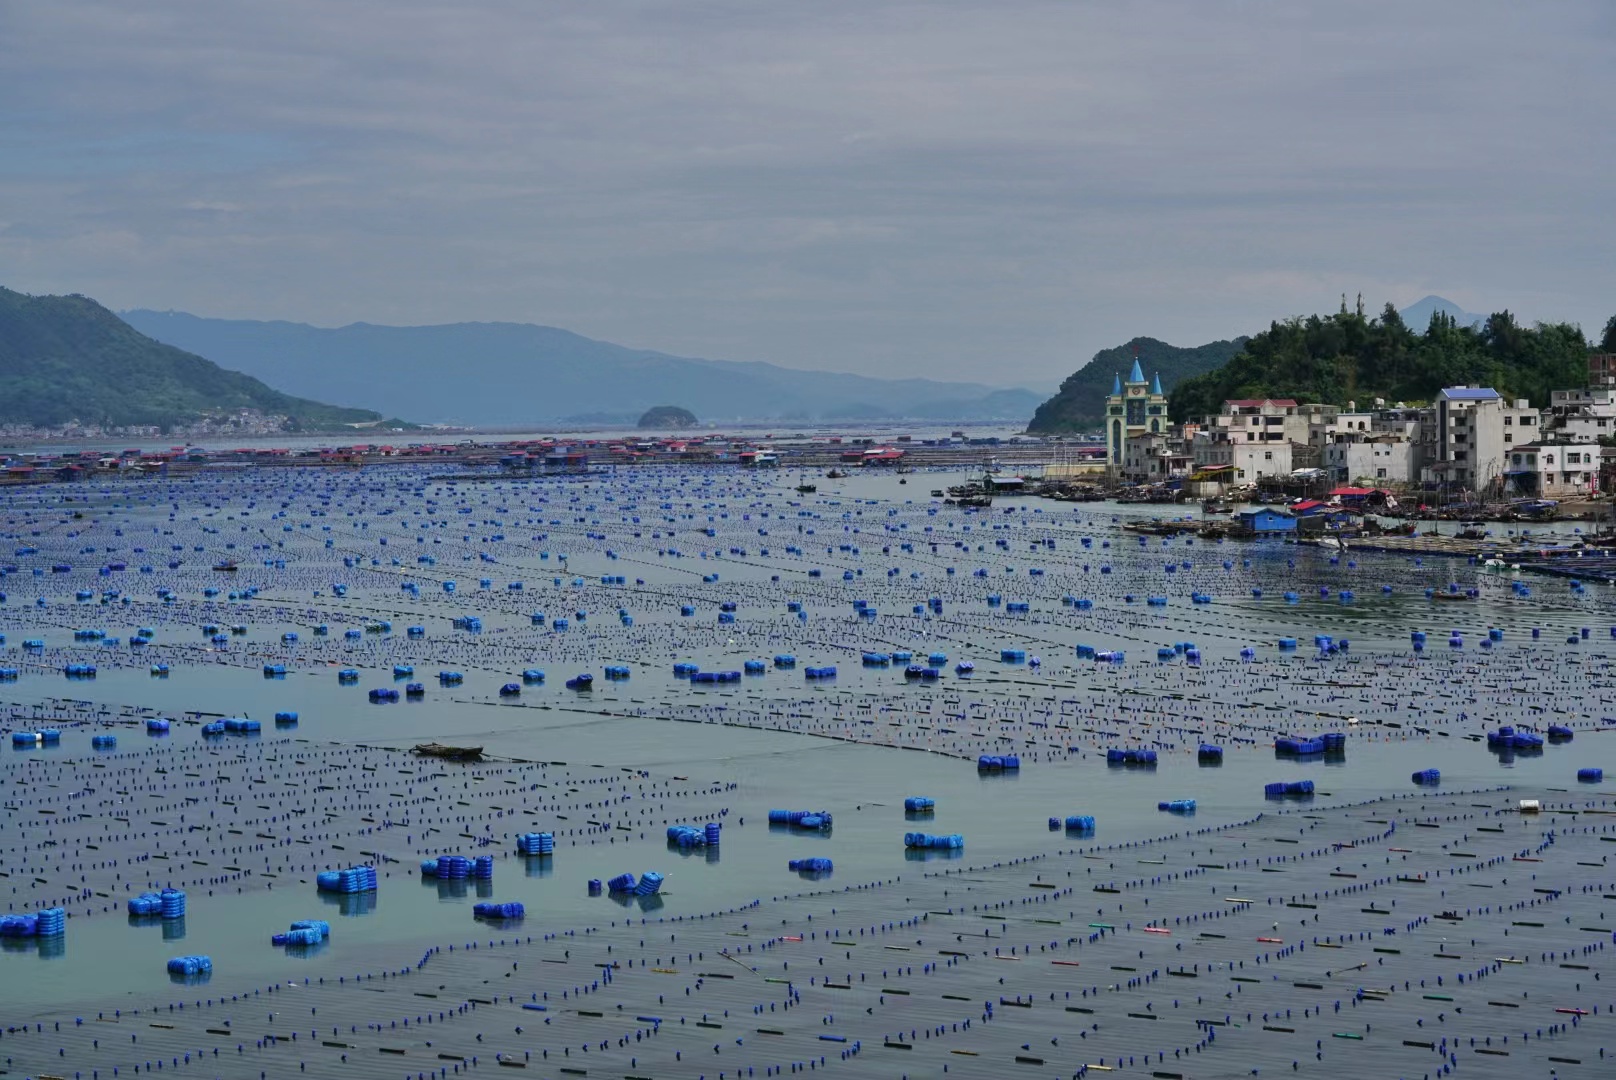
(1607, 343)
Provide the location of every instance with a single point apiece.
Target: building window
(1268, 455)
(1458, 455)
(1508, 420)
(1508, 438)
(1380, 474)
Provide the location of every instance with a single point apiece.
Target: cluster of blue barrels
(46, 737)
(352, 879)
(1077, 823)
(816, 865)
(459, 867)
(104, 742)
(992, 763)
(715, 676)
(1101, 656)
(234, 725)
(170, 904)
(188, 966)
(1428, 776)
(583, 681)
(1279, 789)
(79, 671)
(930, 841)
(1177, 806)
(536, 843)
(827, 671)
(303, 932)
(801, 819)
(1591, 775)
(694, 836)
(649, 884)
(1507, 738)
(52, 922)
(1331, 742)
(488, 909)
(1208, 753)
(1186, 649)
(919, 804)
(1117, 756)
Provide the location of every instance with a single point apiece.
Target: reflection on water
(359, 903)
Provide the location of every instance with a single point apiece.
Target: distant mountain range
(513, 374)
(67, 358)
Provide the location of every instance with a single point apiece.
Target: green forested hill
(1080, 402)
(66, 358)
(1351, 357)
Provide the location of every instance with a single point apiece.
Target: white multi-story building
(1471, 435)
(1153, 459)
(1585, 415)
(1553, 470)
(1261, 420)
(1376, 460)
(1249, 461)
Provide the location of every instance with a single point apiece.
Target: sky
(989, 190)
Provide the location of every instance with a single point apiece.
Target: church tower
(1136, 407)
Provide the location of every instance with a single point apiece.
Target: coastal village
(1472, 446)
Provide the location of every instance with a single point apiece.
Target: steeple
(1116, 384)
(1137, 375)
(1155, 384)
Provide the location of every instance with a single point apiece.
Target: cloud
(969, 189)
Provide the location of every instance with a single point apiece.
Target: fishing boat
(835, 474)
(226, 566)
(1217, 506)
(1451, 596)
(807, 489)
(452, 753)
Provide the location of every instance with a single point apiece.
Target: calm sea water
(625, 724)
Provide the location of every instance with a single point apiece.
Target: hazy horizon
(899, 190)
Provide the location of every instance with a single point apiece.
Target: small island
(667, 416)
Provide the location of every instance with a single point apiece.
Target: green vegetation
(1348, 356)
(667, 416)
(1079, 405)
(66, 358)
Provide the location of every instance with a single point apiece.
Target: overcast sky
(982, 189)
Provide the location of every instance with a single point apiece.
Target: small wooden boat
(452, 753)
(1451, 596)
(228, 566)
(807, 489)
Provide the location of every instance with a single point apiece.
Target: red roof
(1353, 492)
(1306, 504)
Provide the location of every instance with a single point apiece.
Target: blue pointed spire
(1155, 384)
(1137, 375)
(1116, 384)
